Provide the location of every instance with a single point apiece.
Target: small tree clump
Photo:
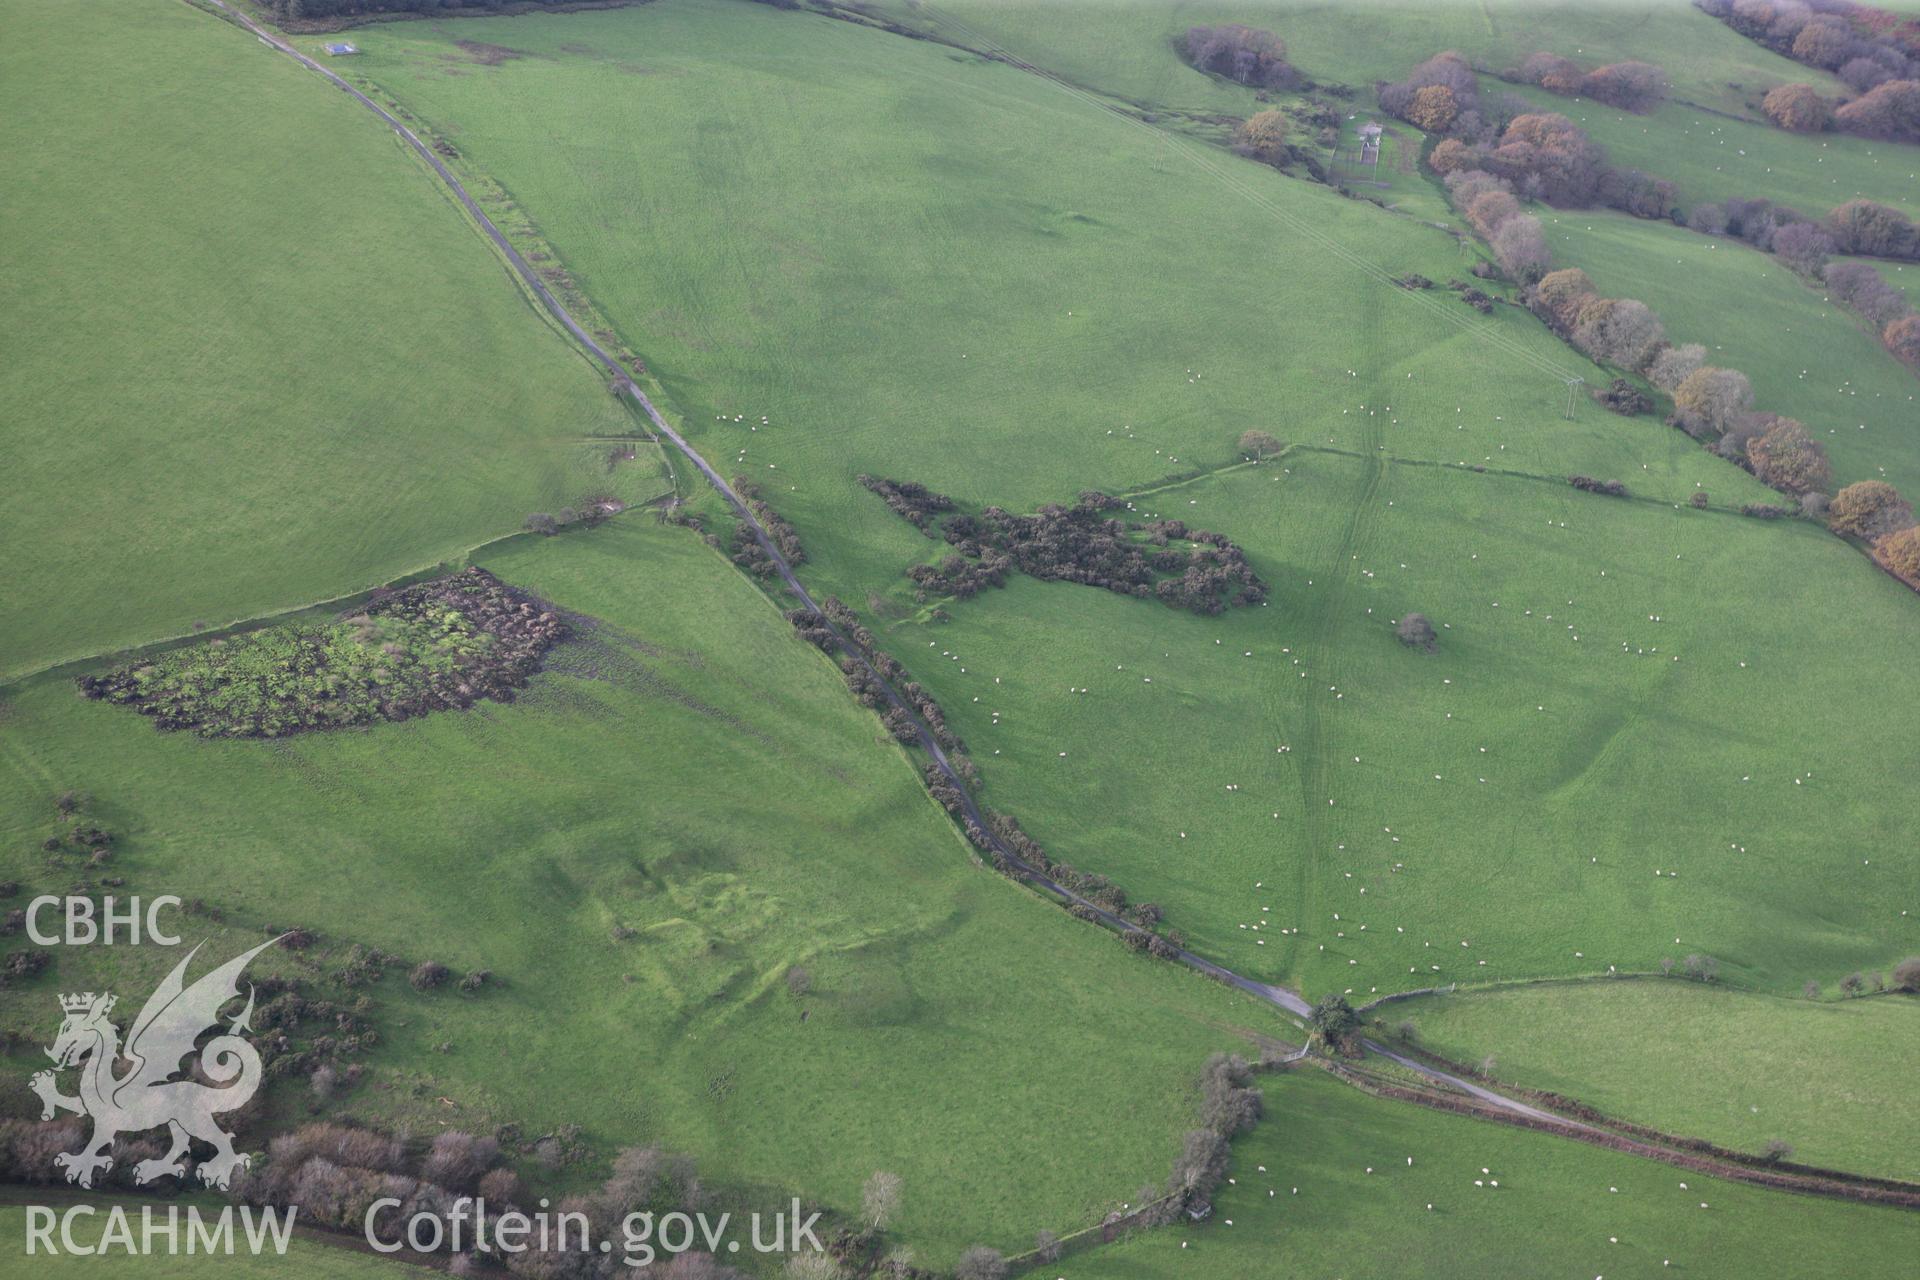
(1416, 632)
(1900, 552)
(1789, 459)
(1245, 54)
(1906, 975)
(1259, 444)
(1869, 509)
(1263, 137)
(1335, 1023)
(1797, 107)
(428, 974)
(981, 1262)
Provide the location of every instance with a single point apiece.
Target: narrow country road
(1281, 997)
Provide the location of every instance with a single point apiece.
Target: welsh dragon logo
(146, 1096)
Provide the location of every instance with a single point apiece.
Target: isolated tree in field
(1710, 399)
(1671, 367)
(1788, 459)
(981, 1263)
(880, 1198)
(1776, 1150)
(799, 982)
(1901, 553)
(1434, 108)
(542, 523)
(1259, 444)
(1867, 226)
(1263, 136)
(1698, 500)
(1902, 337)
(1416, 632)
(1812, 990)
(1869, 509)
(1853, 984)
(1798, 107)
(1046, 1246)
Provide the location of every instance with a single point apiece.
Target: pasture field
(1750, 1069)
(1709, 140)
(1711, 156)
(1646, 732)
(1561, 1209)
(1127, 47)
(1516, 791)
(639, 848)
(1043, 299)
(1808, 358)
(304, 1259)
(1902, 276)
(254, 357)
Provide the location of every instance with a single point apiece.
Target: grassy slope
(1900, 277)
(1725, 150)
(1750, 1069)
(1561, 1209)
(254, 357)
(1807, 358)
(1127, 46)
(1602, 764)
(936, 344)
(1712, 157)
(694, 772)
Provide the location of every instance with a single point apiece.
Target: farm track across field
(1281, 997)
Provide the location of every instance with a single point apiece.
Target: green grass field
(1603, 759)
(1713, 157)
(1127, 46)
(953, 359)
(1749, 1068)
(1807, 358)
(254, 356)
(729, 804)
(1709, 139)
(1648, 731)
(1561, 1208)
